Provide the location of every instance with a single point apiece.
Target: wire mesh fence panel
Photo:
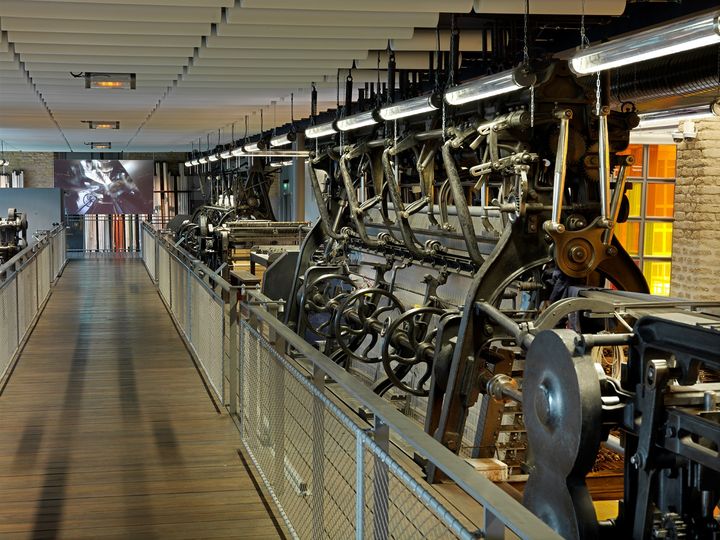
(27, 295)
(43, 274)
(164, 274)
(148, 247)
(8, 324)
(207, 323)
(179, 293)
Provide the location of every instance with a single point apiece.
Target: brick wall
(37, 167)
(696, 233)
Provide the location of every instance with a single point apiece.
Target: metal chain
(526, 61)
(526, 52)
(584, 41)
(444, 121)
(597, 93)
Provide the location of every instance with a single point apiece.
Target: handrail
(500, 504)
(29, 252)
(187, 258)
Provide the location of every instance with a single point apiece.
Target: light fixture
(357, 121)
(671, 117)
(203, 160)
(99, 145)
(188, 163)
(677, 36)
(213, 157)
(410, 107)
(253, 147)
(273, 153)
(320, 130)
(492, 85)
(195, 162)
(125, 81)
(227, 154)
(97, 124)
(283, 140)
(4, 163)
(279, 164)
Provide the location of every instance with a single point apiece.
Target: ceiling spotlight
(96, 124)
(677, 36)
(357, 121)
(410, 107)
(125, 81)
(99, 145)
(320, 130)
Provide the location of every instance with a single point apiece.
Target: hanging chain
(597, 94)
(526, 61)
(584, 41)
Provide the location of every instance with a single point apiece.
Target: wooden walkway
(106, 430)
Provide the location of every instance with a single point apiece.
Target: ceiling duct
(551, 7)
(693, 73)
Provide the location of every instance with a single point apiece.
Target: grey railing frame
(22, 259)
(500, 510)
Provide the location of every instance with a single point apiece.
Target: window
(647, 235)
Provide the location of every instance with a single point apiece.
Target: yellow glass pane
(660, 199)
(661, 160)
(658, 239)
(636, 151)
(657, 274)
(634, 195)
(629, 236)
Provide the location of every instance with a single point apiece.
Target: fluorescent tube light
(213, 157)
(282, 140)
(320, 130)
(99, 145)
(96, 124)
(226, 155)
(678, 36)
(203, 160)
(252, 147)
(410, 107)
(188, 163)
(492, 85)
(278, 164)
(671, 117)
(357, 121)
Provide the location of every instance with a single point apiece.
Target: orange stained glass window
(634, 195)
(660, 199)
(629, 236)
(658, 239)
(661, 161)
(636, 151)
(657, 274)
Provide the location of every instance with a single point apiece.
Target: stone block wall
(696, 232)
(37, 167)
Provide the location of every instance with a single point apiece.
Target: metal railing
(330, 473)
(191, 292)
(25, 284)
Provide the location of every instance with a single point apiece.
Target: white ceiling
(202, 65)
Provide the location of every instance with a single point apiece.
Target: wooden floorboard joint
(106, 430)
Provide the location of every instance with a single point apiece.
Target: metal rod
(560, 169)
(604, 165)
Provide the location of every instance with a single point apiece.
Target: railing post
(494, 528)
(359, 487)
(234, 352)
(277, 410)
(380, 478)
(318, 457)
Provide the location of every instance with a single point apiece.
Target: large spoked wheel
(320, 301)
(364, 315)
(407, 343)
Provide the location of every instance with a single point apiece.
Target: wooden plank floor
(106, 430)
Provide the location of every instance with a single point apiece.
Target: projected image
(105, 186)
